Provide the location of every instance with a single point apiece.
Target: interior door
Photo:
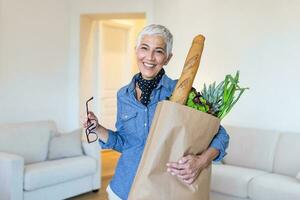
(114, 67)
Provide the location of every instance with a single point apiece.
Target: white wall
(259, 37)
(39, 56)
(33, 60)
(87, 57)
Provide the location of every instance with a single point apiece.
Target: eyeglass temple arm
(86, 105)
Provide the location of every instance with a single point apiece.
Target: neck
(151, 78)
(146, 78)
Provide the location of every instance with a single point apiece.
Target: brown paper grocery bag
(176, 130)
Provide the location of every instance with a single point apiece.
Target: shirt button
(145, 124)
(146, 110)
(126, 116)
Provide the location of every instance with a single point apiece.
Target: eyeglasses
(91, 135)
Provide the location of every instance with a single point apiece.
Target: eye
(143, 47)
(159, 51)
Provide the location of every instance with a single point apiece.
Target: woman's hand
(91, 121)
(189, 167)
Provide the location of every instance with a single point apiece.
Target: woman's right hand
(91, 121)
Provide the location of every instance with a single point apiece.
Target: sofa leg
(95, 191)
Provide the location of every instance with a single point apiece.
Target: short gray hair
(155, 29)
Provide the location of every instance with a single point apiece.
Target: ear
(169, 58)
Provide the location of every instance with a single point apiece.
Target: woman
(136, 103)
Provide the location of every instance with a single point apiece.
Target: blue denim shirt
(133, 125)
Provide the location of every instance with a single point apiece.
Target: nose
(150, 55)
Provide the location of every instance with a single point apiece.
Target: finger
(93, 124)
(186, 166)
(91, 113)
(83, 119)
(186, 176)
(85, 124)
(185, 169)
(182, 172)
(190, 181)
(93, 117)
(176, 172)
(193, 178)
(185, 159)
(175, 165)
(170, 171)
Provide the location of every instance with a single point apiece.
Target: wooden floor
(100, 195)
(109, 160)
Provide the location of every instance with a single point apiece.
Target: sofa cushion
(274, 187)
(53, 172)
(219, 196)
(232, 180)
(252, 148)
(29, 139)
(65, 145)
(287, 160)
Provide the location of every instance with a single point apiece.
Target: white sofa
(27, 174)
(260, 165)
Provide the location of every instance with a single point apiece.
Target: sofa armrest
(298, 176)
(11, 176)
(94, 150)
(91, 149)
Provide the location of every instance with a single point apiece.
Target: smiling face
(151, 55)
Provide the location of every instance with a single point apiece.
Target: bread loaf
(191, 65)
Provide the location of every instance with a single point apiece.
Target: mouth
(149, 65)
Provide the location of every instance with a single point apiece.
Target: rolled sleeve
(115, 141)
(111, 141)
(220, 142)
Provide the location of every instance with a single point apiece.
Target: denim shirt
(133, 125)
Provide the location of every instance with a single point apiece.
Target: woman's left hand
(188, 167)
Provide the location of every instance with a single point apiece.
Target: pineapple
(213, 96)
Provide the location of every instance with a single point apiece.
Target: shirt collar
(131, 86)
(164, 82)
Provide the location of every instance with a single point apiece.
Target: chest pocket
(129, 121)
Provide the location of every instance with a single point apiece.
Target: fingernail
(168, 170)
(173, 173)
(180, 161)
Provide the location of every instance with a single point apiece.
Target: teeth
(149, 65)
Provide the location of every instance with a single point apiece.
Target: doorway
(107, 62)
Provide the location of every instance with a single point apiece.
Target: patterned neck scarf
(147, 86)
